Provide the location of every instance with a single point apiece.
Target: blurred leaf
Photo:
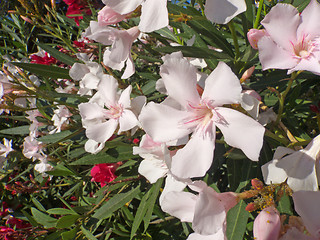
(61, 170)
(22, 130)
(67, 221)
(43, 218)
(56, 137)
(60, 211)
(52, 72)
(88, 234)
(115, 203)
(69, 235)
(237, 218)
(285, 205)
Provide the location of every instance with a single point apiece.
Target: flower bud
(256, 184)
(267, 224)
(254, 35)
(107, 16)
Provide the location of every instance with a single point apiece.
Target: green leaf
(60, 211)
(43, 218)
(284, 205)
(57, 137)
(237, 218)
(44, 70)
(112, 155)
(69, 235)
(115, 203)
(61, 170)
(88, 234)
(67, 221)
(57, 54)
(22, 130)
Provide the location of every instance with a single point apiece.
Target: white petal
(78, 70)
(93, 147)
(172, 184)
(180, 205)
(153, 169)
(195, 158)
(103, 131)
(310, 24)
(241, 131)
(123, 6)
(222, 11)
(222, 86)
(176, 72)
(154, 15)
(108, 90)
(127, 121)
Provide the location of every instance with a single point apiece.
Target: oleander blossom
(291, 40)
(185, 112)
(107, 110)
(207, 210)
(154, 13)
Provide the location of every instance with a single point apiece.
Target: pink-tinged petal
(273, 56)
(222, 11)
(220, 235)
(254, 35)
(123, 6)
(101, 34)
(267, 224)
(210, 214)
(78, 70)
(154, 15)
(153, 169)
(163, 123)
(310, 64)
(110, 63)
(124, 99)
(306, 204)
(172, 184)
(93, 147)
(127, 121)
(241, 131)
(130, 68)
(107, 16)
(222, 86)
(101, 132)
(90, 81)
(180, 205)
(91, 111)
(282, 23)
(176, 72)
(195, 158)
(294, 234)
(107, 89)
(310, 24)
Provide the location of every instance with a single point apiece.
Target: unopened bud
(247, 74)
(251, 207)
(26, 19)
(257, 184)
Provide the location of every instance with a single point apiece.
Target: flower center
(304, 47)
(114, 112)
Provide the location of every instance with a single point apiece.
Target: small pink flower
(104, 172)
(267, 224)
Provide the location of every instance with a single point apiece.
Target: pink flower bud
(254, 35)
(267, 224)
(247, 74)
(107, 16)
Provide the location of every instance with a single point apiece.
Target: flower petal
(172, 184)
(101, 132)
(241, 131)
(222, 11)
(123, 6)
(222, 86)
(127, 121)
(176, 72)
(281, 24)
(273, 56)
(310, 24)
(195, 158)
(163, 123)
(154, 15)
(153, 169)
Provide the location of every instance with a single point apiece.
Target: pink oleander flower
(43, 58)
(107, 110)
(267, 224)
(154, 13)
(292, 40)
(119, 54)
(207, 210)
(106, 16)
(185, 112)
(222, 11)
(60, 118)
(297, 168)
(104, 172)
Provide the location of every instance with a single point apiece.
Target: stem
(256, 23)
(235, 39)
(283, 97)
(277, 138)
